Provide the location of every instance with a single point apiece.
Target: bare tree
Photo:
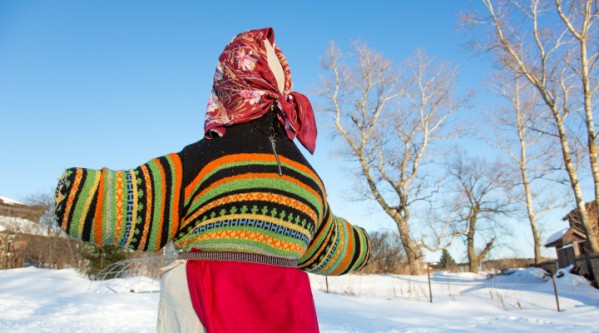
(45, 201)
(555, 47)
(389, 119)
(519, 134)
(479, 204)
(54, 250)
(386, 254)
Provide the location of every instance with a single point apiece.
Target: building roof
(8, 201)
(19, 217)
(573, 214)
(565, 236)
(20, 225)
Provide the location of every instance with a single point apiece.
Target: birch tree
(389, 117)
(554, 45)
(520, 129)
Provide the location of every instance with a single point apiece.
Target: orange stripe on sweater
(224, 235)
(74, 189)
(349, 252)
(225, 160)
(253, 196)
(148, 208)
(257, 175)
(323, 243)
(178, 176)
(94, 181)
(302, 168)
(98, 221)
(118, 206)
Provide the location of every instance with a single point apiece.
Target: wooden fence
(12, 252)
(18, 250)
(585, 265)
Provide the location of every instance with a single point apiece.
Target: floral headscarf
(245, 88)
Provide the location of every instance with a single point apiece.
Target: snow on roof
(17, 224)
(557, 235)
(9, 201)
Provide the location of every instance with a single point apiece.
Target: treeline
(388, 257)
(57, 251)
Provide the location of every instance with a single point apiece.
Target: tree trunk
(587, 93)
(408, 244)
(473, 258)
(532, 217)
(529, 201)
(592, 139)
(574, 182)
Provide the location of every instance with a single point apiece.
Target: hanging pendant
(274, 150)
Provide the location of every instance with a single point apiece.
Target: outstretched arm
(337, 247)
(138, 208)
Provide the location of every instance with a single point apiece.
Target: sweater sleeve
(137, 209)
(337, 247)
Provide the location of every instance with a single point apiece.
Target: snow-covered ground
(40, 300)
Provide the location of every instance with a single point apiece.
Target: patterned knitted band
(239, 257)
(247, 83)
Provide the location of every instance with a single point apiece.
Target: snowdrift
(40, 300)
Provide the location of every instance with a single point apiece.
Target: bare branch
(388, 118)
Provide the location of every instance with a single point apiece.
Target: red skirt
(249, 297)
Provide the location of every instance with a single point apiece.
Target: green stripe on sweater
(82, 206)
(157, 217)
(276, 183)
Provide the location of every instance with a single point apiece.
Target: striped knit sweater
(223, 194)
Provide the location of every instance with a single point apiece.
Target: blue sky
(116, 83)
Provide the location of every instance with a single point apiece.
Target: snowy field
(39, 300)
